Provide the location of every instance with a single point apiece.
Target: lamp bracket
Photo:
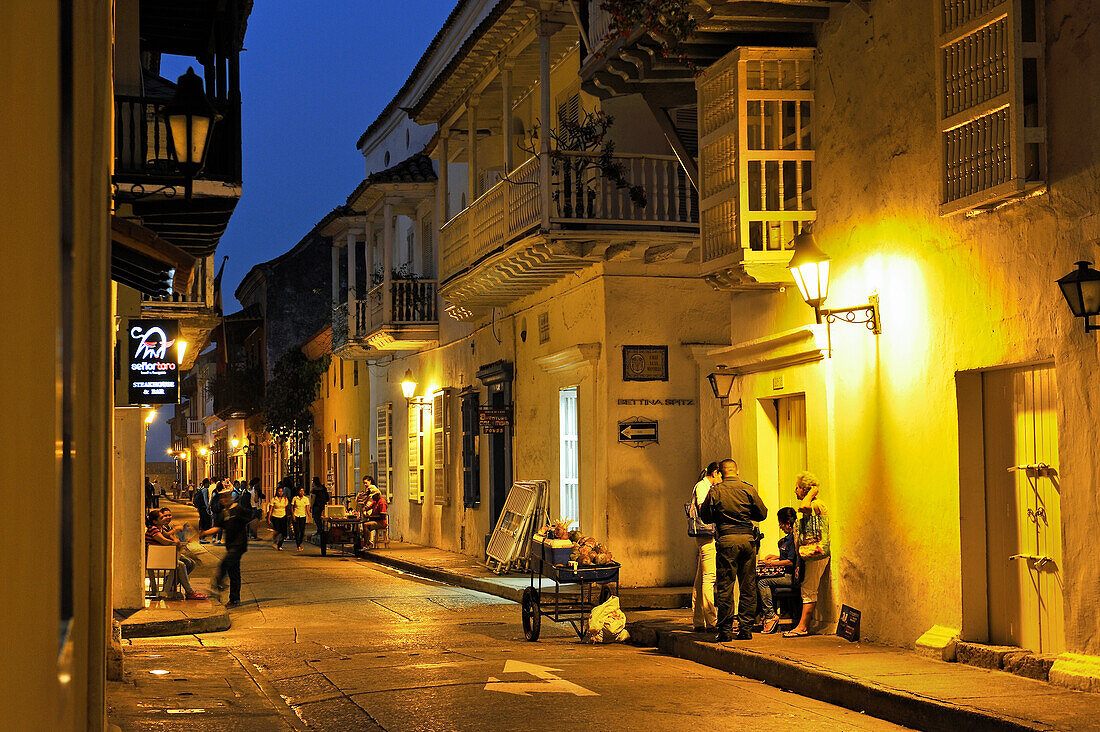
(852, 315)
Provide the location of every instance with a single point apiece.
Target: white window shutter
(384, 445)
(416, 454)
(441, 418)
(990, 102)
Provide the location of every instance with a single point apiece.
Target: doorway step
(1006, 658)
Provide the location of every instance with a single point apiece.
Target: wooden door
(791, 416)
(1023, 509)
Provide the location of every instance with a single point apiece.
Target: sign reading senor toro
(153, 375)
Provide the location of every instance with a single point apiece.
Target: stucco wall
(956, 294)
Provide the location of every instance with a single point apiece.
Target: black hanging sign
(848, 626)
(153, 375)
(494, 420)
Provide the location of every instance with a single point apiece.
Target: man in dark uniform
(732, 506)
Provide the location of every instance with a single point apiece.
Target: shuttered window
(417, 417)
(569, 110)
(989, 62)
(384, 445)
(441, 427)
(471, 471)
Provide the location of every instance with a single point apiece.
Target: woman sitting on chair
(374, 512)
(155, 523)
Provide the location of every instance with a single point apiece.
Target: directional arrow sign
(640, 431)
(549, 681)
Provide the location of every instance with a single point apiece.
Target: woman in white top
(704, 611)
(276, 516)
(300, 508)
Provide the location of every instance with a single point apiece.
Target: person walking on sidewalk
(732, 506)
(300, 509)
(200, 499)
(232, 520)
(277, 516)
(704, 613)
(812, 537)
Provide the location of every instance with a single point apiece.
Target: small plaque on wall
(645, 363)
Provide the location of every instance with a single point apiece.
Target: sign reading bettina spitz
(152, 374)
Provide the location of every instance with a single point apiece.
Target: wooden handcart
(576, 591)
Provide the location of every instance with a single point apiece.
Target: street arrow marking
(549, 683)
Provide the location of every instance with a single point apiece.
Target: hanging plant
(670, 21)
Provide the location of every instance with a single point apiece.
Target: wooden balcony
(497, 249)
(194, 309)
(412, 322)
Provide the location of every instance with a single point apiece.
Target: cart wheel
(605, 594)
(532, 614)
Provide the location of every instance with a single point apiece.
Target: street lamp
(181, 348)
(234, 442)
(190, 117)
(810, 268)
(721, 383)
(1081, 288)
(408, 384)
(151, 416)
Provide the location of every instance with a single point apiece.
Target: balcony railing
(599, 23)
(580, 198)
(414, 303)
(141, 143)
(196, 427)
(198, 296)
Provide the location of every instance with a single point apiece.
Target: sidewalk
(461, 570)
(181, 617)
(894, 684)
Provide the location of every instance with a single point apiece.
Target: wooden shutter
(384, 446)
(471, 473)
(416, 453)
(990, 102)
(441, 428)
(569, 110)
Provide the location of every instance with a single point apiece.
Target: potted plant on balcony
(670, 22)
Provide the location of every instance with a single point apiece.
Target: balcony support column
(335, 275)
(352, 289)
(388, 221)
(368, 260)
(443, 193)
(506, 115)
(471, 150)
(546, 30)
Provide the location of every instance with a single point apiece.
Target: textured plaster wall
(632, 497)
(956, 294)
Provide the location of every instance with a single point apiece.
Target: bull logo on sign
(152, 344)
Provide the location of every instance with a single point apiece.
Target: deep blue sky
(313, 76)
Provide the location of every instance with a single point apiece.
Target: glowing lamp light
(408, 384)
(235, 443)
(810, 268)
(181, 348)
(190, 117)
(203, 450)
(151, 416)
(1081, 288)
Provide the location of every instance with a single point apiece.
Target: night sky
(313, 76)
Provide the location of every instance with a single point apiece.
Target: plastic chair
(160, 563)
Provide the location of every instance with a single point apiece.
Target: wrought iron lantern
(408, 384)
(1081, 288)
(190, 117)
(810, 268)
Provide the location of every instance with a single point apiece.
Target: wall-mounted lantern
(1081, 288)
(810, 268)
(181, 348)
(190, 117)
(408, 385)
(721, 383)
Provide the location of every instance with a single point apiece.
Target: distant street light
(191, 118)
(1081, 288)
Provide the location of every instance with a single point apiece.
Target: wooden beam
(147, 242)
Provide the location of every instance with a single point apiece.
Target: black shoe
(724, 636)
(743, 634)
(704, 629)
(232, 603)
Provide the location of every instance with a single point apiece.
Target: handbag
(696, 525)
(813, 537)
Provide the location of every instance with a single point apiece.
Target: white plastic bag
(607, 623)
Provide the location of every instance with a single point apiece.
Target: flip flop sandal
(770, 625)
(793, 634)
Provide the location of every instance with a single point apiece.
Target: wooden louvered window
(471, 466)
(384, 445)
(441, 439)
(756, 158)
(990, 102)
(418, 414)
(569, 109)
(428, 247)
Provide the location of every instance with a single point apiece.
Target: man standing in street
(732, 506)
(232, 520)
(318, 500)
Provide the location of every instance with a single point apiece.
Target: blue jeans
(766, 584)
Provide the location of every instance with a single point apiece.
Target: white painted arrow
(550, 682)
(632, 431)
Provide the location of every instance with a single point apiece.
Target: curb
(876, 700)
(213, 623)
(631, 600)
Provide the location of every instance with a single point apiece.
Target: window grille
(384, 446)
(990, 102)
(756, 156)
